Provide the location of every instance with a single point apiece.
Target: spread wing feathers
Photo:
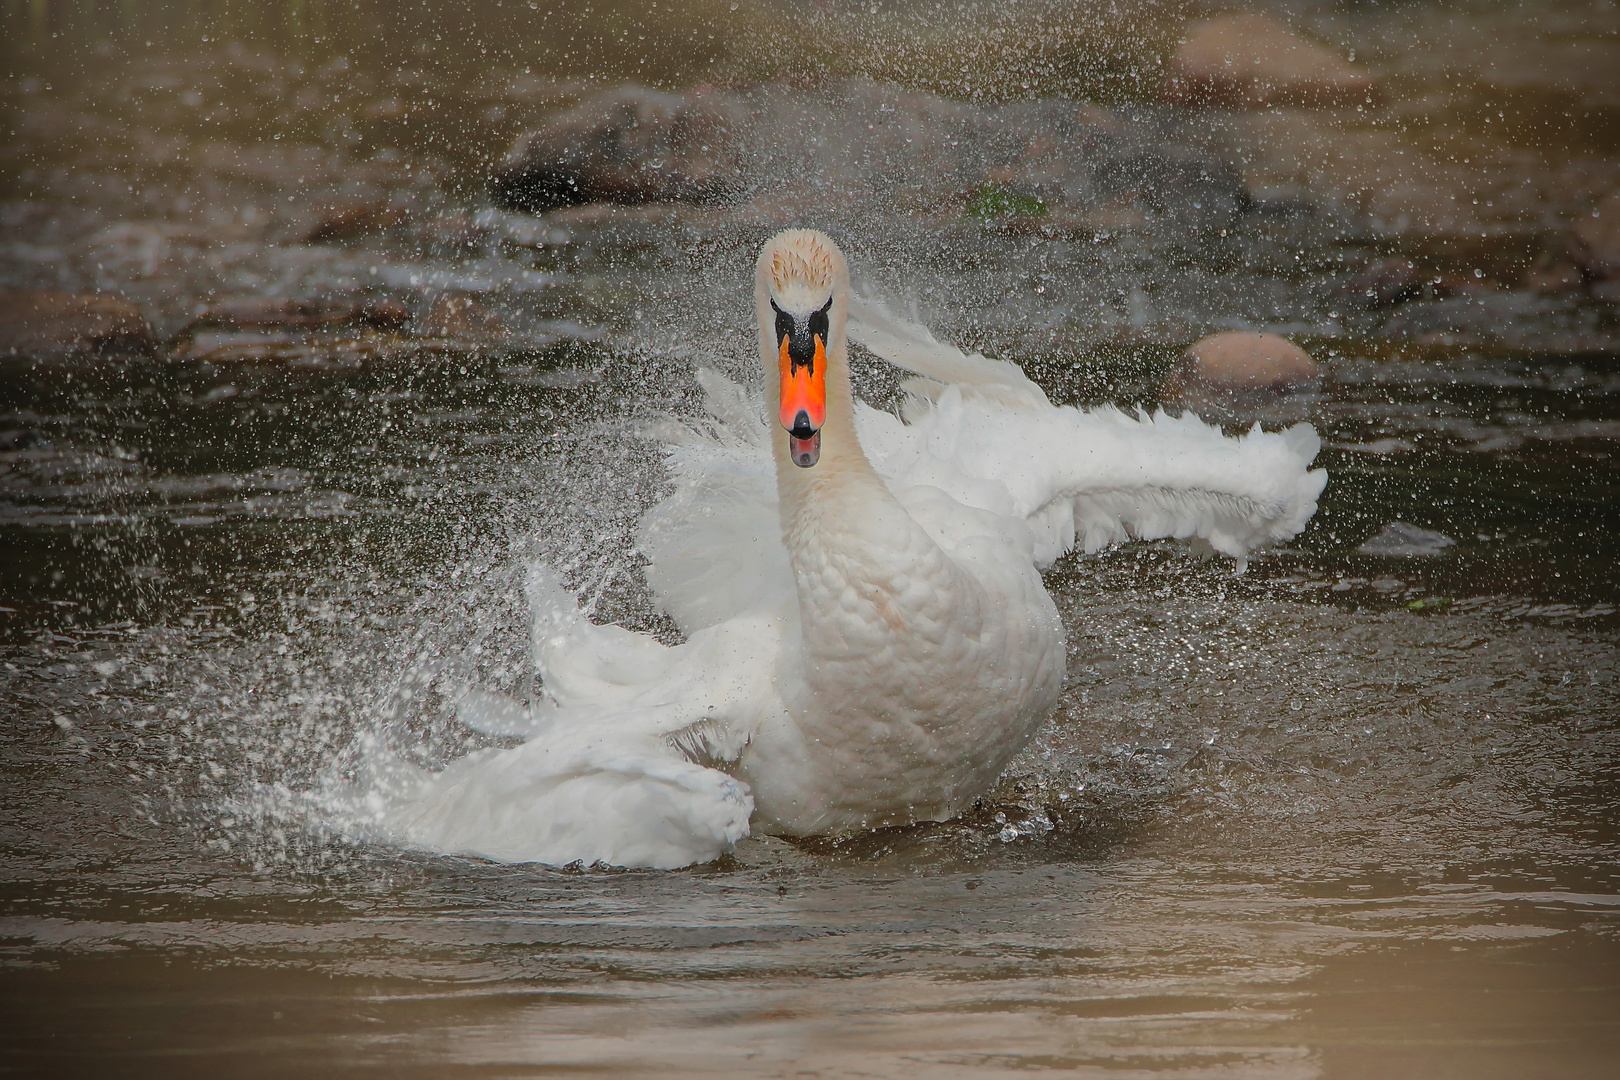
(714, 545)
(979, 429)
(574, 795)
(582, 664)
(1091, 478)
(619, 766)
(704, 697)
(913, 346)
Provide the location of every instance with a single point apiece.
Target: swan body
(868, 639)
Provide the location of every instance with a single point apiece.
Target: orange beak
(804, 399)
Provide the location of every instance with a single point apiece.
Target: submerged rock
(55, 325)
(310, 332)
(1248, 61)
(1403, 541)
(1553, 272)
(460, 316)
(859, 147)
(630, 145)
(1386, 282)
(384, 314)
(347, 222)
(1239, 367)
(13, 439)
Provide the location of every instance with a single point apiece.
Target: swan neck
(842, 471)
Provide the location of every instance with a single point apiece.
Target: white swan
(868, 638)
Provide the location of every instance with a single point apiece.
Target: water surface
(1349, 814)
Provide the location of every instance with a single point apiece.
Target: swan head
(803, 292)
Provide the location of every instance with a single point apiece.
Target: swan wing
(1083, 478)
(705, 696)
(620, 762)
(714, 544)
(608, 792)
(1092, 478)
(912, 346)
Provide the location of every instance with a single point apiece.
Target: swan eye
(819, 321)
(784, 322)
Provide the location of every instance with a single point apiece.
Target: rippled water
(1353, 813)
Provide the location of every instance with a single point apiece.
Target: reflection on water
(1351, 814)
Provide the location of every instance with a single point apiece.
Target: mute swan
(868, 639)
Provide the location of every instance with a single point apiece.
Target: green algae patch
(992, 202)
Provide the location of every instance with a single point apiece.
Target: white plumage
(868, 640)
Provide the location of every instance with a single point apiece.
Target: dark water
(1350, 814)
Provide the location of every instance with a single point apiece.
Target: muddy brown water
(1350, 814)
